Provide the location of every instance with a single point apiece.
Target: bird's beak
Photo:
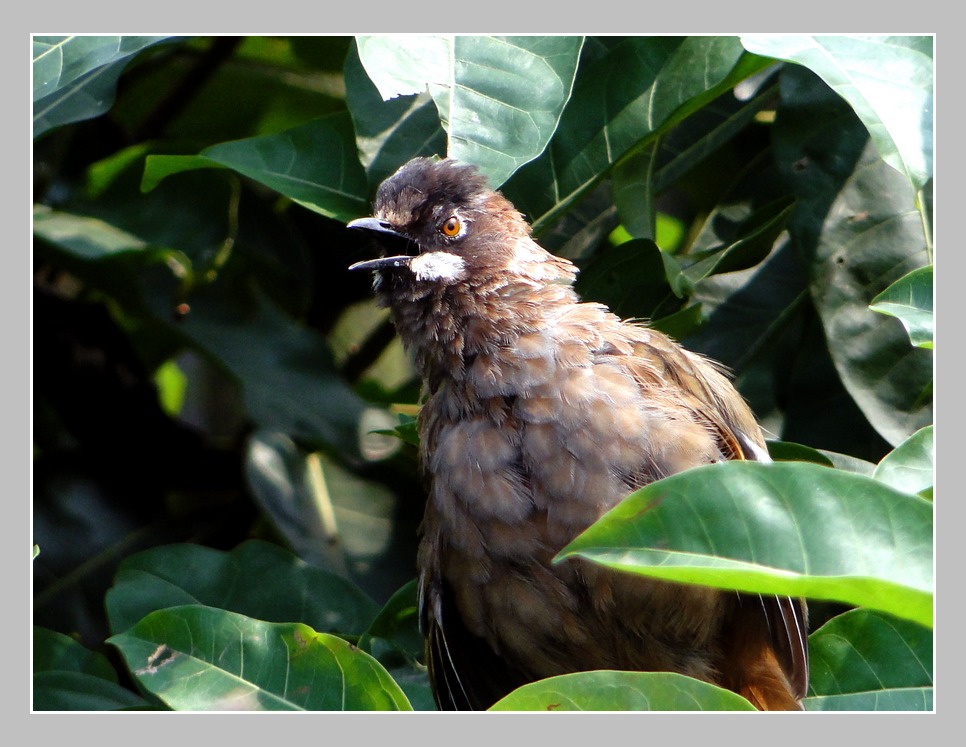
(385, 228)
(373, 224)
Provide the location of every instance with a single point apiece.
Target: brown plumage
(541, 413)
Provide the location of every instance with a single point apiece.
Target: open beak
(384, 228)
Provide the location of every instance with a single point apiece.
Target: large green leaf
(314, 164)
(622, 691)
(256, 579)
(74, 77)
(783, 528)
(888, 81)
(909, 299)
(867, 657)
(499, 97)
(858, 230)
(637, 90)
(197, 658)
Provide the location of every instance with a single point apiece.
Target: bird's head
(452, 227)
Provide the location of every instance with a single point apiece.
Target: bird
(539, 413)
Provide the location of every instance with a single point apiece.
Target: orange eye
(451, 227)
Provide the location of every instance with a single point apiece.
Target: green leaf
(866, 653)
(499, 97)
(909, 299)
(857, 230)
(888, 81)
(910, 466)
(314, 164)
(74, 77)
(256, 579)
(639, 89)
(622, 691)
(782, 528)
(196, 658)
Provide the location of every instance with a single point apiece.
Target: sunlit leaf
(782, 528)
(909, 299)
(888, 81)
(74, 77)
(622, 691)
(198, 658)
(910, 467)
(499, 97)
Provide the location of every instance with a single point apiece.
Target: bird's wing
(771, 630)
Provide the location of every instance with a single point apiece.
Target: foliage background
(224, 492)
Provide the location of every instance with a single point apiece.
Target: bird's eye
(451, 227)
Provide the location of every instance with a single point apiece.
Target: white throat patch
(441, 266)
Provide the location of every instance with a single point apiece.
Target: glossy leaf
(888, 81)
(857, 230)
(256, 579)
(197, 658)
(910, 467)
(74, 77)
(909, 299)
(499, 97)
(782, 528)
(313, 164)
(622, 691)
(865, 656)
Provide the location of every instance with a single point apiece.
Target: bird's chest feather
(528, 448)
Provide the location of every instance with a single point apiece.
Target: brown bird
(541, 413)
